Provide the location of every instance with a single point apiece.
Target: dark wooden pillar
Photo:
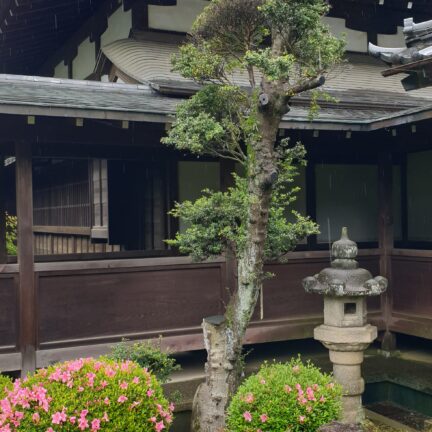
(227, 167)
(3, 252)
(24, 202)
(386, 239)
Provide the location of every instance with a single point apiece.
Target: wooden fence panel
(80, 307)
(8, 313)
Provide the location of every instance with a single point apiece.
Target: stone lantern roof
(344, 278)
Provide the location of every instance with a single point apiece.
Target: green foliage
(148, 355)
(277, 43)
(292, 397)
(5, 384)
(298, 22)
(87, 394)
(233, 34)
(11, 234)
(213, 122)
(274, 68)
(218, 220)
(197, 62)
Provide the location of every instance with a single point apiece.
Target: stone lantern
(345, 331)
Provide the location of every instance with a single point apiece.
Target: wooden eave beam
(128, 4)
(362, 126)
(31, 9)
(98, 20)
(50, 111)
(409, 67)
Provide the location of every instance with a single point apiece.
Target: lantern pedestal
(347, 346)
(345, 332)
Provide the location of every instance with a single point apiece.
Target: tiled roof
(146, 61)
(356, 110)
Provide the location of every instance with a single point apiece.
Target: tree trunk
(222, 376)
(223, 336)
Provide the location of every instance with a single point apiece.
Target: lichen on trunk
(223, 336)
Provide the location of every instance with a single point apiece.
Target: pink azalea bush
(292, 397)
(86, 395)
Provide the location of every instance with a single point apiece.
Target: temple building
(86, 94)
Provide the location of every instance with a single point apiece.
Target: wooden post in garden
(24, 203)
(386, 239)
(3, 252)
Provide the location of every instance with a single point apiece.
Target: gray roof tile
(89, 99)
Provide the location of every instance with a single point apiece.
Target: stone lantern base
(347, 346)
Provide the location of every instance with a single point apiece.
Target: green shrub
(11, 234)
(86, 395)
(293, 397)
(5, 384)
(149, 355)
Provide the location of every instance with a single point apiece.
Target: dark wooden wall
(82, 308)
(412, 293)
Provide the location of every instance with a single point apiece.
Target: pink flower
(91, 377)
(302, 419)
(106, 401)
(98, 365)
(159, 426)
(322, 399)
(310, 394)
(50, 430)
(125, 366)
(150, 392)
(136, 380)
(72, 419)
(124, 385)
(105, 417)
(36, 417)
(263, 418)
(249, 398)
(83, 423)
(122, 399)
(103, 384)
(109, 372)
(288, 389)
(247, 416)
(58, 418)
(95, 425)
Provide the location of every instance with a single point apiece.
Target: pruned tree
(251, 57)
